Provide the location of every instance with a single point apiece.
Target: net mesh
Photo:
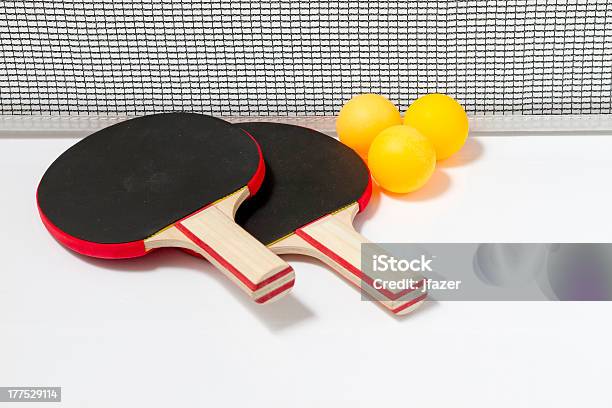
(303, 57)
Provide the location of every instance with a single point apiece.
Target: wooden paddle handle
(213, 234)
(333, 240)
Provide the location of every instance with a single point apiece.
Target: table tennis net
(536, 57)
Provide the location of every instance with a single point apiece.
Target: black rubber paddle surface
(128, 181)
(308, 175)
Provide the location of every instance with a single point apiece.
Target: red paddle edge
(364, 200)
(256, 181)
(132, 249)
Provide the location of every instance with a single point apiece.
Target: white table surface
(168, 330)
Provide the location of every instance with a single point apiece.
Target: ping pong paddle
(313, 189)
(164, 180)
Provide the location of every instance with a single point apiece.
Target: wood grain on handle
(213, 234)
(333, 240)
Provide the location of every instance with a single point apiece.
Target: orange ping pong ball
(401, 159)
(442, 120)
(364, 117)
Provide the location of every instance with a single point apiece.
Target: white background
(169, 330)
